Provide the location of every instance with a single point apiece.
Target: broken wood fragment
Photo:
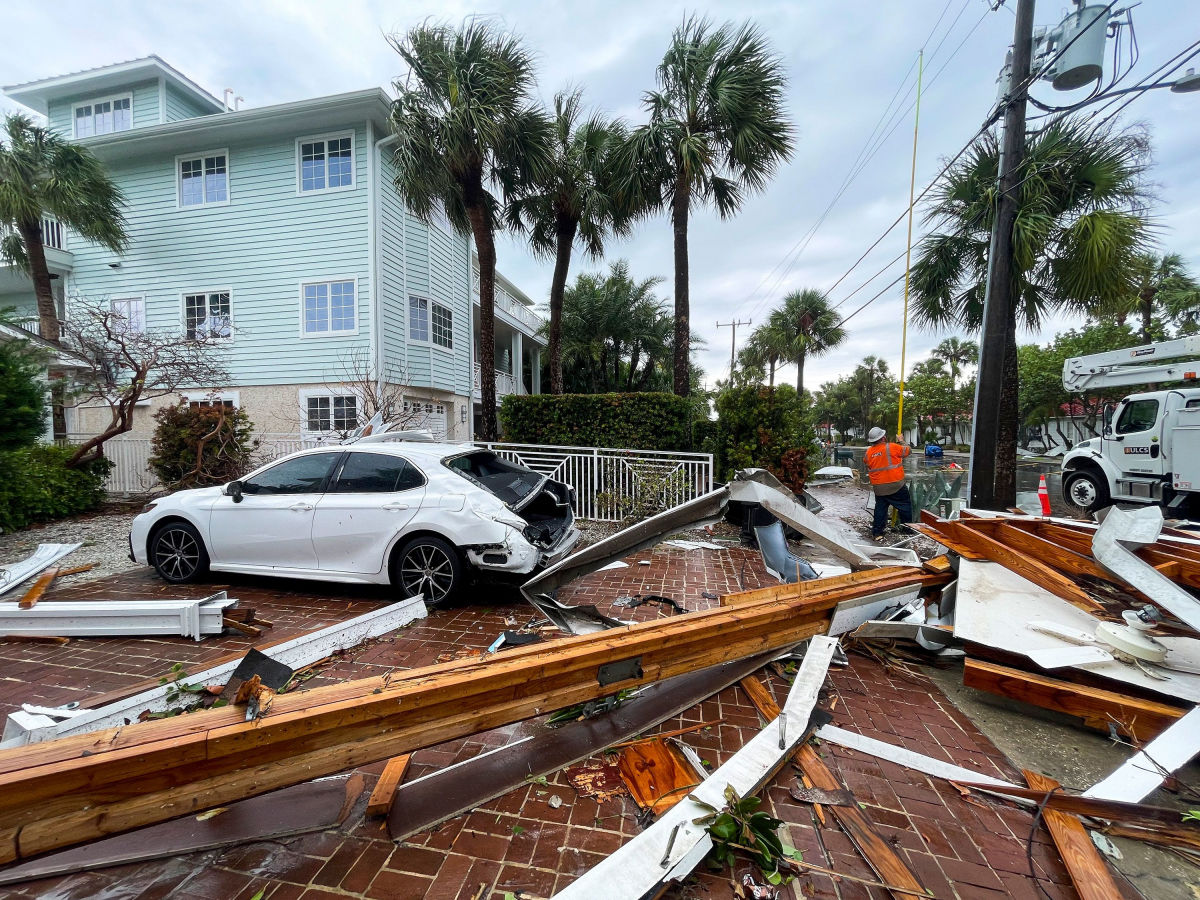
(34, 594)
(1089, 873)
(76, 570)
(248, 630)
(36, 639)
(384, 791)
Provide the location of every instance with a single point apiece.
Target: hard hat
(876, 434)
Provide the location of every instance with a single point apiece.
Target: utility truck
(1149, 449)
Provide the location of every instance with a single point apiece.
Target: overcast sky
(844, 60)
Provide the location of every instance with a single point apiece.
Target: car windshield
(510, 482)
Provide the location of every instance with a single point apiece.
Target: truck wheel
(1087, 490)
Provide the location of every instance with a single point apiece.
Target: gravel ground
(104, 534)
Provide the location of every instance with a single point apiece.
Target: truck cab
(1148, 452)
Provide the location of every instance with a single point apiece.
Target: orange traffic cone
(1044, 496)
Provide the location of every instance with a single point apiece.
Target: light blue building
(275, 230)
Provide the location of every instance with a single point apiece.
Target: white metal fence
(609, 483)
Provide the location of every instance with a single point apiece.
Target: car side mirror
(1108, 431)
(234, 490)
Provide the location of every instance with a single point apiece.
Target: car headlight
(149, 506)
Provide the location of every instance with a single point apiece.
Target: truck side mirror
(234, 490)
(1108, 431)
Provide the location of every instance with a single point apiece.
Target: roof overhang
(57, 357)
(300, 117)
(38, 95)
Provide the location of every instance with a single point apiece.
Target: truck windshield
(1138, 415)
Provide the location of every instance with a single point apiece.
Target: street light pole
(999, 315)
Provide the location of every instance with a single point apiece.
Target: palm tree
(468, 129)
(1164, 281)
(716, 132)
(1079, 226)
(871, 384)
(955, 354)
(766, 347)
(44, 176)
(810, 328)
(574, 201)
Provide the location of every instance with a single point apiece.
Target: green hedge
(639, 421)
(760, 427)
(36, 485)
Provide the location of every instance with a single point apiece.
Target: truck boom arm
(1123, 368)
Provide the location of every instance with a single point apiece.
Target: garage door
(429, 417)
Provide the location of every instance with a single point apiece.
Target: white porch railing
(52, 233)
(505, 383)
(610, 483)
(512, 307)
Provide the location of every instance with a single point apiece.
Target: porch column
(537, 370)
(518, 366)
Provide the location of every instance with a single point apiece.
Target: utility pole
(998, 298)
(733, 344)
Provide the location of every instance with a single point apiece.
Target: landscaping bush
(22, 396)
(36, 485)
(198, 446)
(638, 421)
(765, 428)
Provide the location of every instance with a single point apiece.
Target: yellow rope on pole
(912, 185)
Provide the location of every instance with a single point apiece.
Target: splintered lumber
(75, 789)
(938, 565)
(1087, 868)
(878, 580)
(34, 594)
(883, 860)
(1139, 815)
(384, 791)
(46, 555)
(1025, 566)
(675, 844)
(1139, 775)
(1132, 716)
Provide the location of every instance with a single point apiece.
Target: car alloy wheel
(179, 556)
(427, 568)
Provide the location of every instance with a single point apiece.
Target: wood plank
(74, 789)
(1040, 574)
(883, 577)
(1089, 873)
(34, 594)
(938, 565)
(1141, 815)
(1182, 562)
(947, 541)
(384, 791)
(1134, 717)
(1052, 554)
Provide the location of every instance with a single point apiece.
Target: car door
(1136, 445)
(372, 496)
(271, 527)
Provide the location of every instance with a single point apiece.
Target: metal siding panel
(181, 106)
(260, 245)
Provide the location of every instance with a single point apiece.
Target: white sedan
(424, 517)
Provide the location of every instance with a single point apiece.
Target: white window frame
(323, 335)
(91, 104)
(183, 295)
(204, 203)
(212, 397)
(326, 138)
(316, 393)
(130, 298)
(430, 303)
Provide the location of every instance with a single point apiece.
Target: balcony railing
(52, 233)
(505, 383)
(511, 307)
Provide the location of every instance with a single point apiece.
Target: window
(1138, 415)
(418, 319)
(227, 399)
(104, 116)
(443, 326)
(301, 475)
(129, 314)
(427, 318)
(207, 316)
(331, 413)
(326, 163)
(375, 473)
(204, 179)
(329, 308)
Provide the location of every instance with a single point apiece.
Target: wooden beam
(1052, 554)
(1039, 573)
(384, 792)
(1134, 717)
(74, 789)
(1089, 873)
(936, 534)
(881, 578)
(938, 565)
(34, 594)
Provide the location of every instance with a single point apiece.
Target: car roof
(425, 449)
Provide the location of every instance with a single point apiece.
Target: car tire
(428, 566)
(177, 553)
(1086, 489)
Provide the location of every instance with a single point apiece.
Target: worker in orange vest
(884, 462)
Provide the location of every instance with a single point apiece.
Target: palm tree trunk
(771, 382)
(485, 248)
(562, 261)
(31, 234)
(800, 375)
(1147, 305)
(679, 222)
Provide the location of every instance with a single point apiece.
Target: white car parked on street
(424, 517)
